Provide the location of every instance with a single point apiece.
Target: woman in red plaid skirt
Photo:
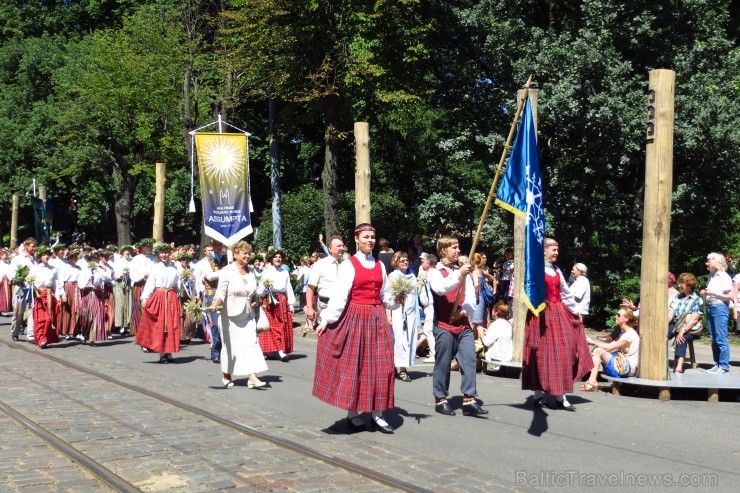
(47, 290)
(278, 300)
(354, 360)
(555, 349)
(160, 314)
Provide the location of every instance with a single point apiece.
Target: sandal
(404, 377)
(589, 387)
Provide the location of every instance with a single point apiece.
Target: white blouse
(161, 276)
(280, 284)
(46, 277)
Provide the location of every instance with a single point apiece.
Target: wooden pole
(656, 227)
(45, 233)
(14, 222)
(362, 172)
(159, 201)
(517, 304)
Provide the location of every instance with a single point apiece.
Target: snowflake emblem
(535, 212)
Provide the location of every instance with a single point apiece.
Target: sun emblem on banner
(223, 159)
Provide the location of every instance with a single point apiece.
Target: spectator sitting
(603, 353)
(498, 339)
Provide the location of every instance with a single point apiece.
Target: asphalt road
(627, 443)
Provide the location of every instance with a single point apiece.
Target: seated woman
(684, 313)
(498, 338)
(603, 353)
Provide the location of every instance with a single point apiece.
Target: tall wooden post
(657, 227)
(159, 201)
(14, 223)
(517, 304)
(362, 172)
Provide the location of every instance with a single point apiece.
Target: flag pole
(492, 192)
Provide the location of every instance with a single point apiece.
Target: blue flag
(521, 193)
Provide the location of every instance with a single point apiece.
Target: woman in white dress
(236, 295)
(405, 318)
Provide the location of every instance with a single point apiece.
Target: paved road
(621, 441)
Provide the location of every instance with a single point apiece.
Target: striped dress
(70, 311)
(92, 316)
(555, 349)
(354, 360)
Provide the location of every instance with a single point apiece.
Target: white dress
(241, 354)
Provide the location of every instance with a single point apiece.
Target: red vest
(443, 308)
(367, 284)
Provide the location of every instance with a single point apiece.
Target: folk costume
(555, 349)
(160, 327)
(47, 290)
(187, 293)
(122, 290)
(92, 314)
(22, 296)
(141, 265)
(208, 270)
(277, 300)
(453, 339)
(109, 306)
(6, 291)
(69, 312)
(354, 358)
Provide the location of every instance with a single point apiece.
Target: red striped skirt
(354, 361)
(108, 308)
(160, 329)
(6, 296)
(555, 351)
(280, 335)
(136, 290)
(45, 311)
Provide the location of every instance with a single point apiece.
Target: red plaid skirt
(280, 335)
(354, 361)
(6, 296)
(136, 291)
(555, 351)
(69, 312)
(45, 311)
(159, 330)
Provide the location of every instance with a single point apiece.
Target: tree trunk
(125, 185)
(329, 174)
(277, 220)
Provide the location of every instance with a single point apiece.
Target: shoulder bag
(697, 329)
(262, 324)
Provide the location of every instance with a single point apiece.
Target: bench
(517, 365)
(691, 379)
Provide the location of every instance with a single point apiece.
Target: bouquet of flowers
(270, 295)
(401, 286)
(194, 310)
(186, 275)
(92, 265)
(20, 275)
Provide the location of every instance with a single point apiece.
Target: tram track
(119, 484)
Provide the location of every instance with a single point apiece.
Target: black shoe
(169, 357)
(15, 338)
(444, 408)
(383, 427)
(473, 409)
(43, 345)
(215, 360)
(540, 402)
(355, 427)
(569, 407)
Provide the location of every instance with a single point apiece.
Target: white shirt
(280, 284)
(70, 272)
(5, 270)
(89, 278)
(345, 278)
(161, 276)
(499, 340)
(141, 266)
(46, 277)
(719, 282)
(19, 260)
(442, 285)
(581, 290)
(119, 265)
(324, 274)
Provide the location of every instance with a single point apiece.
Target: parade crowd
(373, 314)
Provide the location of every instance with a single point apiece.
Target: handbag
(262, 323)
(618, 365)
(697, 329)
(487, 293)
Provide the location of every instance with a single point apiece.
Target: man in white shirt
(581, 290)
(322, 279)
(22, 294)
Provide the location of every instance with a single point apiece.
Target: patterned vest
(443, 308)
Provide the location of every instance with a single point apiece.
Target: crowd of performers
(148, 290)
(75, 292)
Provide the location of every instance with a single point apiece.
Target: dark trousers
(447, 346)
